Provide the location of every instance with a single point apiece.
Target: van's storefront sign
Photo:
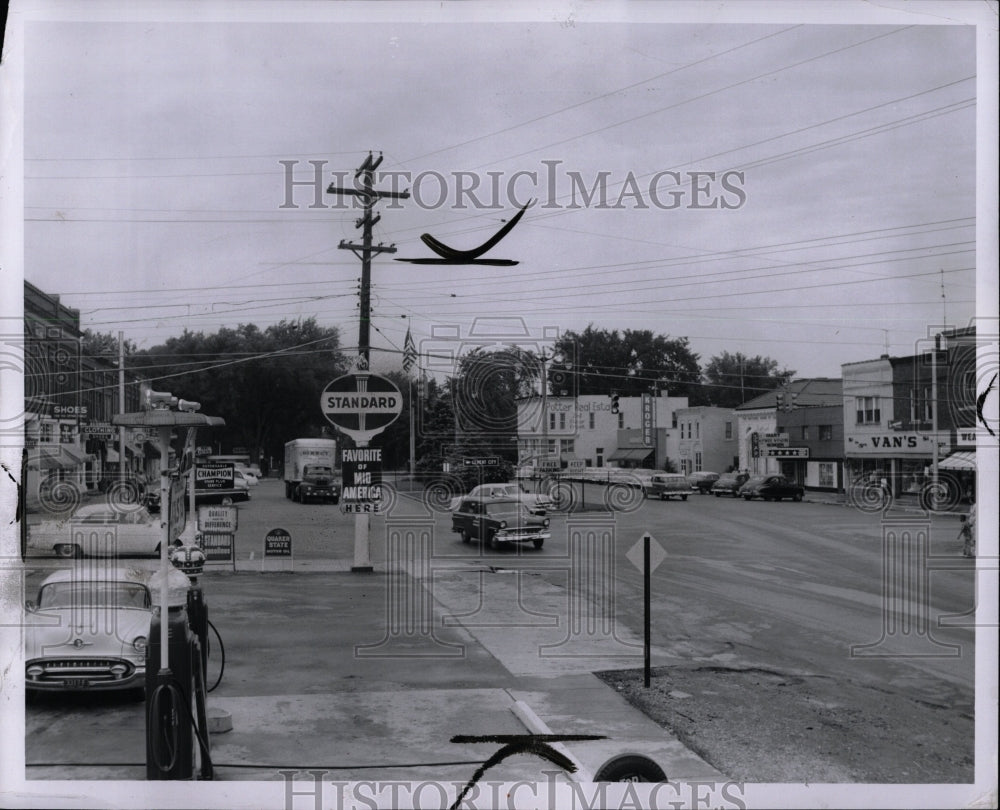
(894, 444)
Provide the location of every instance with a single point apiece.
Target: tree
(484, 395)
(265, 384)
(104, 344)
(732, 379)
(599, 361)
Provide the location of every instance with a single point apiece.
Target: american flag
(409, 352)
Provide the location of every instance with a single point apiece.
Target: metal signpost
(361, 405)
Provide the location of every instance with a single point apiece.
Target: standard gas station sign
(361, 405)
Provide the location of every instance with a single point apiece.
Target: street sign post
(482, 461)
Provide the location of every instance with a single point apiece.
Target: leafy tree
(104, 344)
(599, 361)
(732, 379)
(265, 384)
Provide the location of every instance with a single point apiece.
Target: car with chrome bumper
(729, 484)
(88, 631)
(499, 522)
(667, 485)
(701, 481)
(537, 503)
(98, 530)
(771, 488)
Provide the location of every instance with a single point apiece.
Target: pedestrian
(967, 534)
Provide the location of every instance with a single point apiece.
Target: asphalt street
(328, 667)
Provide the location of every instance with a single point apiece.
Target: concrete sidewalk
(368, 677)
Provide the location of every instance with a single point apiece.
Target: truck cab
(318, 483)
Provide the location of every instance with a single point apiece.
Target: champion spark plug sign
(361, 405)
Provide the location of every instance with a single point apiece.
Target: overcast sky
(154, 189)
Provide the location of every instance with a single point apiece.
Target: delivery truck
(310, 473)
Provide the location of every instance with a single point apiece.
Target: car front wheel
(466, 537)
(494, 543)
(796, 497)
(538, 543)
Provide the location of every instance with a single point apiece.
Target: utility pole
(121, 406)
(369, 196)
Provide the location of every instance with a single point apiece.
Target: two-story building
(908, 419)
(584, 431)
(795, 430)
(69, 401)
(810, 433)
(708, 439)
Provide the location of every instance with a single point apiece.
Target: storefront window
(912, 476)
(827, 476)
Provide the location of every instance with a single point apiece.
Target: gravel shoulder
(758, 725)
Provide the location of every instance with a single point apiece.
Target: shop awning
(61, 457)
(630, 454)
(959, 460)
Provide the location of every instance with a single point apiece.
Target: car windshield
(726, 479)
(93, 594)
(314, 470)
(753, 482)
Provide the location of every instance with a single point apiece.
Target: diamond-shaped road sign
(657, 554)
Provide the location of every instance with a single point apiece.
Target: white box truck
(309, 470)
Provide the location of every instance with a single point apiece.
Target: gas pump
(177, 744)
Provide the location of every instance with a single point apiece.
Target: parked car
(771, 488)
(251, 478)
(729, 484)
(702, 481)
(238, 494)
(538, 504)
(667, 485)
(98, 529)
(498, 522)
(88, 633)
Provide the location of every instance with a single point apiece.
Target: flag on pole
(409, 352)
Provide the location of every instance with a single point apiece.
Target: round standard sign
(361, 405)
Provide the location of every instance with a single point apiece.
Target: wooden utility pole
(369, 196)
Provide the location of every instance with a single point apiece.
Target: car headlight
(545, 522)
(503, 524)
(139, 644)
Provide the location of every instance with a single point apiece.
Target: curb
(536, 725)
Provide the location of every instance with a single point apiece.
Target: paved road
(786, 586)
